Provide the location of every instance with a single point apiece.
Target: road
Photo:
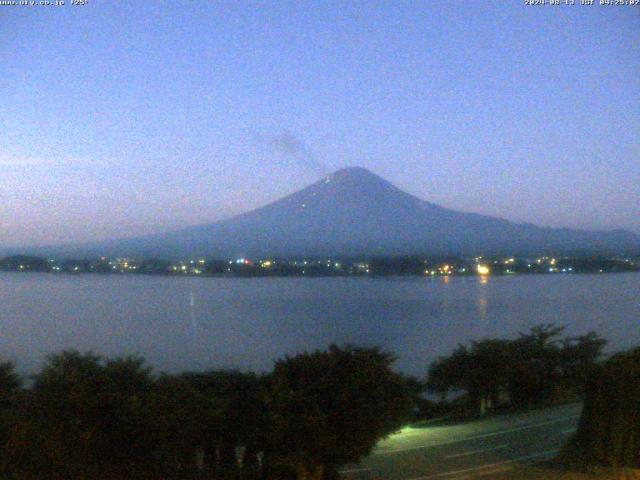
(476, 449)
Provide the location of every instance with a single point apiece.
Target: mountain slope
(355, 212)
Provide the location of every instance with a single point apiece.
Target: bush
(533, 369)
(330, 407)
(86, 417)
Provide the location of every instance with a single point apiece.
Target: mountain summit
(355, 212)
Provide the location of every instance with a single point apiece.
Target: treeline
(84, 417)
(535, 368)
(322, 267)
(87, 417)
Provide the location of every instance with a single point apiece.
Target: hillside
(355, 212)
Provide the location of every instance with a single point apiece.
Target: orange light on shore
(484, 270)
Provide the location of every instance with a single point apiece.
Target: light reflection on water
(197, 323)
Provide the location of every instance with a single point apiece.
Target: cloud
(292, 149)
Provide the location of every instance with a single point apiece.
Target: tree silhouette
(609, 429)
(529, 369)
(83, 418)
(183, 423)
(330, 407)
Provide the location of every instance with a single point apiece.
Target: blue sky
(124, 118)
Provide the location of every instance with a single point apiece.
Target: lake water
(198, 323)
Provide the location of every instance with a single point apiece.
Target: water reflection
(482, 307)
(194, 321)
(483, 301)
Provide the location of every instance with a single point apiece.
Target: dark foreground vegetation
(607, 443)
(85, 417)
(609, 430)
(536, 368)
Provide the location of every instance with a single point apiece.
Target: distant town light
(483, 269)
